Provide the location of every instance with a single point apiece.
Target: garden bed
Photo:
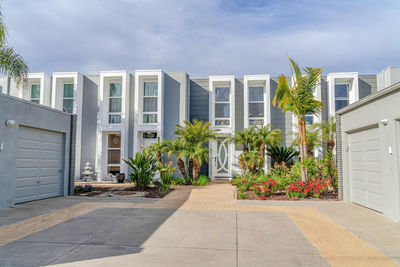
(106, 192)
(250, 195)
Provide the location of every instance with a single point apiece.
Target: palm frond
(13, 64)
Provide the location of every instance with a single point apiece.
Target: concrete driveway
(196, 227)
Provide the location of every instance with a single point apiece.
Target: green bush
(203, 180)
(178, 181)
(166, 171)
(144, 167)
(242, 195)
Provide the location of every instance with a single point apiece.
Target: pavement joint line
(337, 245)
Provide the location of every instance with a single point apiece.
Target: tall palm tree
(11, 63)
(312, 138)
(299, 99)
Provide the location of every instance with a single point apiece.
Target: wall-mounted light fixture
(384, 122)
(10, 123)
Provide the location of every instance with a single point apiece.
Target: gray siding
(366, 85)
(239, 105)
(89, 120)
(131, 114)
(25, 113)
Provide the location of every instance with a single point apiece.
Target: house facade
(121, 112)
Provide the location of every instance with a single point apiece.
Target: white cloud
(204, 37)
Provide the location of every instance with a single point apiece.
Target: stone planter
(120, 177)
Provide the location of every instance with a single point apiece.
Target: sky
(204, 37)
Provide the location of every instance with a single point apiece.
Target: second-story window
(68, 98)
(341, 96)
(222, 106)
(35, 93)
(256, 105)
(309, 118)
(150, 102)
(114, 111)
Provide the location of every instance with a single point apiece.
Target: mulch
(152, 192)
(329, 196)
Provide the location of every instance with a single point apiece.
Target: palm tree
(177, 148)
(281, 154)
(312, 138)
(158, 149)
(244, 138)
(11, 63)
(299, 100)
(194, 136)
(328, 131)
(266, 136)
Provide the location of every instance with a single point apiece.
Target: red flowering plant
(265, 189)
(300, 189)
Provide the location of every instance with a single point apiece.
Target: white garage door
(39, 172)
(366, 169)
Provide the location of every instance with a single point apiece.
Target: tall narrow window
(114, 153)
(35, 93)
(150, 102)
(309, 118)
(222, 106)
(68, 98)
(256, 105)
(115, 103)
(341, 96)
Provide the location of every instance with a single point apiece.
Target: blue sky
(204, 37)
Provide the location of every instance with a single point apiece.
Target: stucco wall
(25, 113)
(370, 113)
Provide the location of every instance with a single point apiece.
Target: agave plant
(144, 167)
(281, 154)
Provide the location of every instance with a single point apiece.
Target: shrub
(242, 195)
(282, 154)
(283, 175)
(144, 167)
(265, 189)
(83, 188)
(178, 181)
(301, 189)
(203, 180)
(166, 171)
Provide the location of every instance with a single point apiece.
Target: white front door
(221, 158)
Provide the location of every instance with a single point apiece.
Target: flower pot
(121, 177)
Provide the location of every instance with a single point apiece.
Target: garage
(39, 164)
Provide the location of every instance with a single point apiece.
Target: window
(150, 102)
(309, 118)
(341, 96)
(222, 106)
(114, 111)
(114, 153)
(256, 105)
(68, 98)
(35, 93)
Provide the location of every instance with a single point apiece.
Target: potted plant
(120, 177)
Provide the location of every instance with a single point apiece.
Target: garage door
(366, 169)
(39, 172)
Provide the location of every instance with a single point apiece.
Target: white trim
(103, 125)
(222, 129)
(56, 102)
(354, 89)
(265, 79)
(140, 77)
(45, 90)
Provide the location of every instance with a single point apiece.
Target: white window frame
(142, 102)
(40, 93)
(340, 78)
(249, 81)
(45, 88)
(109, 82)
(67, 98)
(142, 76)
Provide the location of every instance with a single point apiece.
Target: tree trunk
(196, 170)
(191, 171)
(310, 152)
(182, 169)
(303, 148)
(262, 154)
(159, 158)
(330, 145)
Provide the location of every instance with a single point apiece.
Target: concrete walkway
(196, 226)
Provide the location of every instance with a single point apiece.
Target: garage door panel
(366, 168)
(38, 164)
(27, 163)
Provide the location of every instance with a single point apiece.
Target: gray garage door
(366, 169)
(39, 164)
